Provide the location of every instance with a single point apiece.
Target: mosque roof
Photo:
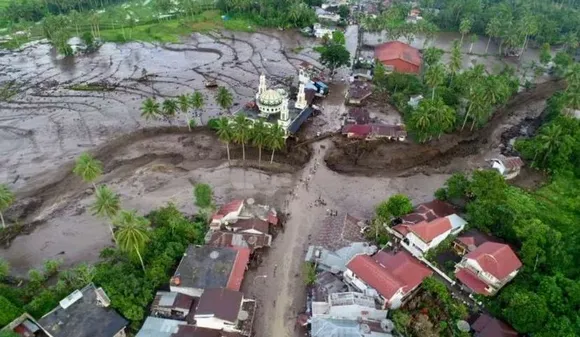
(270, 97)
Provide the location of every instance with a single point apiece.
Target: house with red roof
(227, 213)
(427, 226)
(237, 210)
(400, 57)
(488, 268)
(487, 326)
(390, 278)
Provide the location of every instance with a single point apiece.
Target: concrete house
(172, 305)
(209, 267)
(400, 57)
(352, 327)
(487, 326)
(239, 209)
(349, 305)
(84, 313)
(226, 238)
(390, 278)
(26, 326)
(335, 261)
(508, 167)
(225, 309)
(488, 268)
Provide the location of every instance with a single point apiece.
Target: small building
(324, 15)
(400, 57)
(357, 115)
(358, 91)
(488, 268)
(326, 284)
(225, 309)
(429, 211)
(84, 313)
(348, 305)
(172, 305)
(320, 31)
(375, 131)
(414, 101)
(226, 238)
(390, 278)
(335, 261)
(160, 327)
(239, 209)
(487, 326)
(76, 44)
(508, 167)
(249, 226)
(209, 267)
(470, 240)
(25, 326)
(414, 16)
(362, 74)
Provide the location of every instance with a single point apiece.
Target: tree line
(273, 13)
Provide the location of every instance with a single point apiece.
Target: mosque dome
(270, 97)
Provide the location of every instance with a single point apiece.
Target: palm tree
(6, 199)
(106, 205)
(242, 132)
(571, 41)
(197, 102)
(434, 76)
(432, 56)
(492, 30)
(224, 98)
(225, 133)
(456, 58)
(495, 89)
(169, 108)
(551, 139)
(422, 121)
(527, 26)
(132, 233)
(443, 116)
(573, 75)
(472, 40)
(275, 139)
(259, 137)
(183, 103)
(150, 108)
(88, 168)
(464, 28)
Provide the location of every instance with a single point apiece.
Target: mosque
(274, 106)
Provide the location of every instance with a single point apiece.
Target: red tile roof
(398, 50)
(497, 259)
(487, 326)
(238, 269)
(358, 131)
(272, 218)
(226, 209)
(429, 211)
(427, 231)
(388, 273)
(253, 223)
(471, 280)
(512, 163)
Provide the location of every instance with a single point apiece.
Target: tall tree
(197, 102)
(443, 116)
(225, 132)
(169, 109)
(132, 233)
(6, 200)
(492, 30)
(421, 122)
(183, 103)
(464, 28)
(224, 98)
(551, 139)
(242, 132)
(88, 168)
(434, 76)
(259, 136)
(334, 56)
(106, 204)
(275, 140)
(456, 58)
(150, 108)
(432, 56)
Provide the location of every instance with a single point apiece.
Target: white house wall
(214, 323)
(438, 239)
(194, 292)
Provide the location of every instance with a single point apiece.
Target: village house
(334, 327)
(238, 239)
(358, 91)
(357, 115)
(469, 240)
(349, 305)
(321, 31)
(84, 313)
(508, 167)
(225, 309)
(324, 15)
(335, 261)
(204, 267)
(25, 326)
(162, 327)
(427, 226)
(375, 131)
(484, 325)
(172, 305)
(400, 57)
(488, 268)
(390, 278)
(239, 209)
(326, 284)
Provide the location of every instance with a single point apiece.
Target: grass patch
(318, 49)
(91, 87)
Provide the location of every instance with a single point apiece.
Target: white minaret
(262, 87)
(301, 98)
(284, 120)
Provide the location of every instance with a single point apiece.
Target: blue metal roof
(302, 117)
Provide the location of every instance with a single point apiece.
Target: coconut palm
(275, 140)
(183, 104)
(259, 137)
(132, 233)
(88, 168)
(551, 139)
(527, 26)
(432, 56)
(106, 205)
(573, 75)
(150, 108)
(492, 30)
(472, 40)
(434, 76)
(422, 121)
(443, 116)
(456, 58)
(464, 28)
(6, 199)
(242, 132)
(169, 108)
(225, 133)
(197, 101)
(224, 98)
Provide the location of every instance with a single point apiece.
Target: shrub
(9, 311)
